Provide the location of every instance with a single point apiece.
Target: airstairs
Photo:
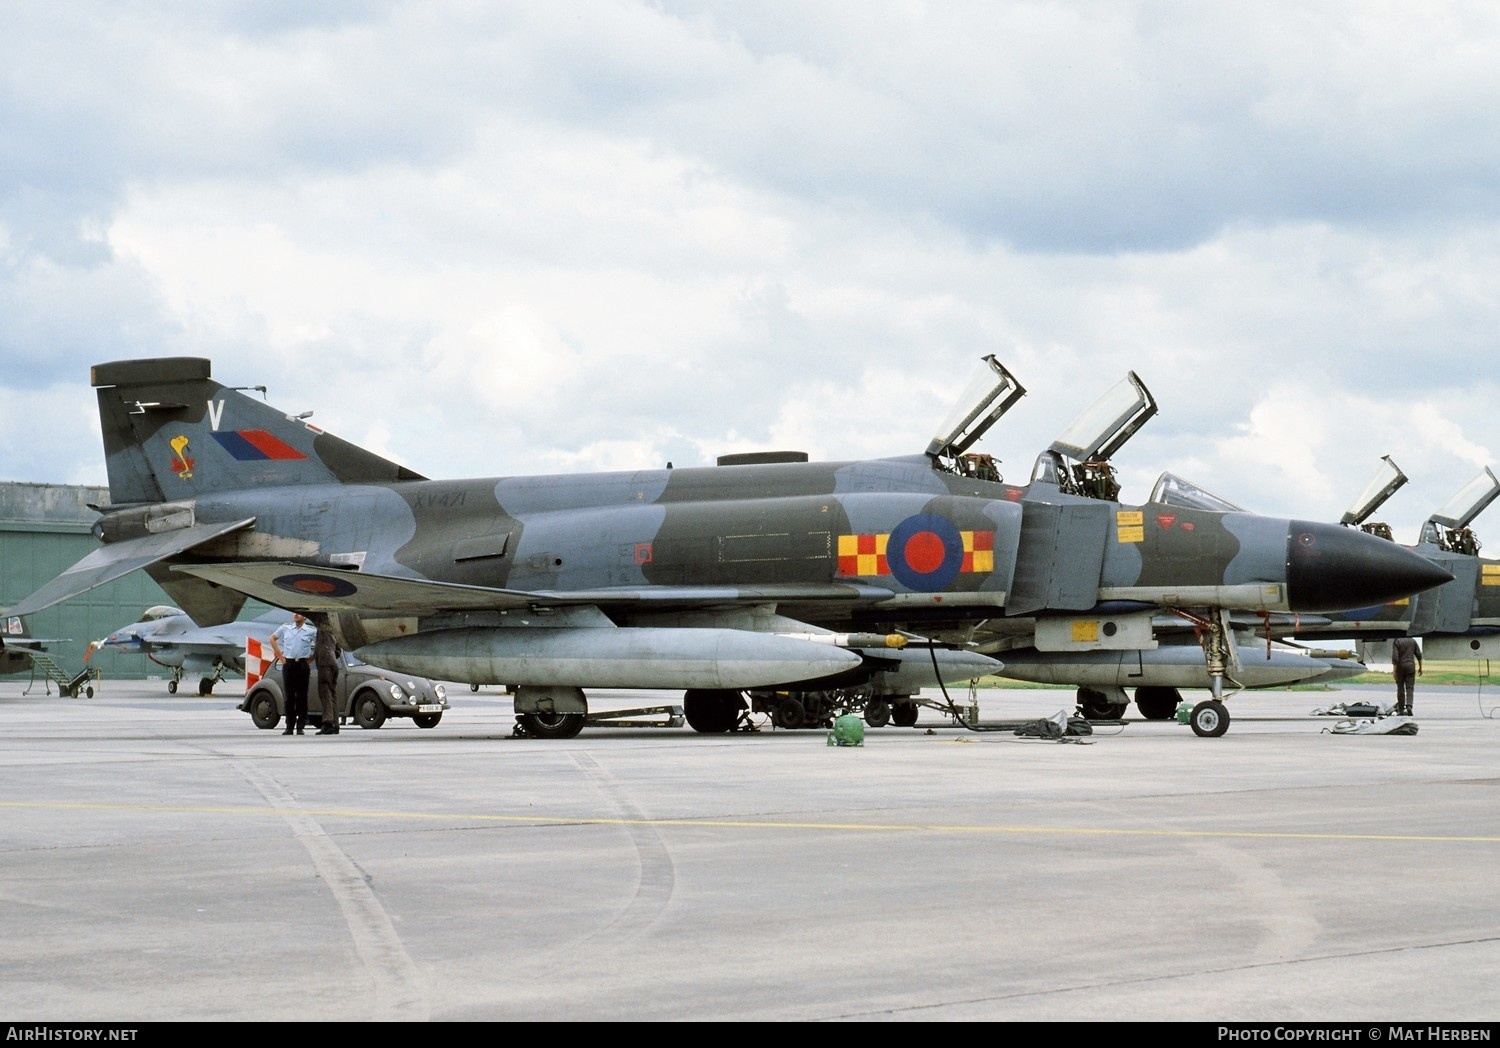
(69, 685)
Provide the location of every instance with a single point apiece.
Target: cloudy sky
(499, 238)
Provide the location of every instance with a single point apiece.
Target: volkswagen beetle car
(366, 693)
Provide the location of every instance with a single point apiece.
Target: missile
(915, 669)
(611, 657)
(1173, 665)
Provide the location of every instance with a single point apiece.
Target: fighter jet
(169, 637)
(766, 574)
(1172, 657)
(1457, 620)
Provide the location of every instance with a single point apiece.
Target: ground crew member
(292, 643)
(326, 654)
(1406, 660)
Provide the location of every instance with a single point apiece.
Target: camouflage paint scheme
(784, 575)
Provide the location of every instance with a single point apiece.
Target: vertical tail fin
(172, 432)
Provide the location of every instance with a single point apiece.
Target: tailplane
(171, 432)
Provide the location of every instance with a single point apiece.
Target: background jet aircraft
(1176, 650)
(168, 637)
(787, 576)
(1459, 619)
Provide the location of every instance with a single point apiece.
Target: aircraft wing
(108, 563)
(31, 643)
(285, 584)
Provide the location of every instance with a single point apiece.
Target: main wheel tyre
(263, 711)
(426, 720)
(1157, 703)
(1095, 706)
(790, 714)
(712, 711)
(369, 711)
(1210, 719)
(473, 687)
(551, 725)
(171, 687)
(877, 713)
(205, 686)
(904, 714)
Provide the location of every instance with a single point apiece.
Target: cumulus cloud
(492, 240)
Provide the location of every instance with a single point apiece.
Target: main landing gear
(791, 710)
(1096, 705)
(712, 711)
(205, 684)
(1156, 702)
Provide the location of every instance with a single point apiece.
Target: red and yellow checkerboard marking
(979, 550)
(865, 554)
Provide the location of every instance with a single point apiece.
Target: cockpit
(1078, 461)
(1172, 490)
(1387, 480)
(989, 395)
(1448, 528)
(159, 611)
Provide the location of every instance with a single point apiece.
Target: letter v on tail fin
(172, 435)
(171, 432)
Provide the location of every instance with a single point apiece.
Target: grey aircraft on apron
(766, 581)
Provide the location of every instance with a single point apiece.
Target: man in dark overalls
(326, 654)
(1406, 660)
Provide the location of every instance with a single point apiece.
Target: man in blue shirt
(292, 644)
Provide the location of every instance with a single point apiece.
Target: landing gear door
(1061, 557)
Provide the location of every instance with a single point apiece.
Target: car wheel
(369, 711)
(427, 720)
(263, 711)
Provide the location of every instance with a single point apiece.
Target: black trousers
(1406, 680)
(295, 675)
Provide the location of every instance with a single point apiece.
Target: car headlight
(440, 691)
(397, 695)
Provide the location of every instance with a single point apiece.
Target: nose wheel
(1209, 719)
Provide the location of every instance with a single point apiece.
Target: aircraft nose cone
(1330, 568)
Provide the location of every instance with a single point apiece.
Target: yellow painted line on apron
(746, 824)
